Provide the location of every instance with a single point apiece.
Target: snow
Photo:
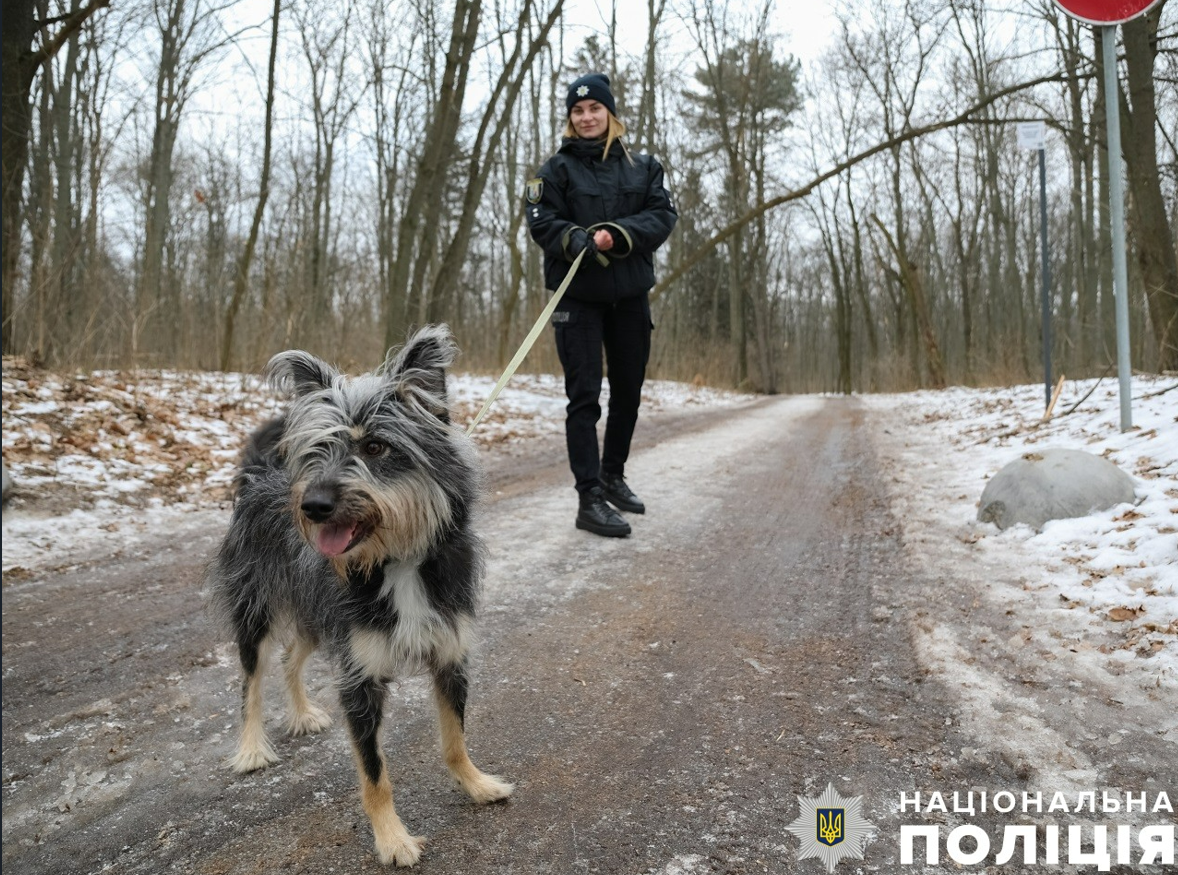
(103, 460)
(1115, 571)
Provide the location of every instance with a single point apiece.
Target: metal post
(1046, 271)
(1117, 218)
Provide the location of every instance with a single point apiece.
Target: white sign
(1031, 135)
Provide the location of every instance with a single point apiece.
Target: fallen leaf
(1120, 615)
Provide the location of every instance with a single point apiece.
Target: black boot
(598, 517)
(619, 494)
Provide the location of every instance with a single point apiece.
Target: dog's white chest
(420, 632)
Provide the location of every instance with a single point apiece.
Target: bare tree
(387, 190)
(393, 103)
(747, 96)
(643, 135)
(241, 275)
(418, 228)
(19, 65)
(497, 115)
(334, 99)
(190, 32)
(1157, 257)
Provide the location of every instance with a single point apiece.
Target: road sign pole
(1117, 219)
(1046, 271)
(1033, 135)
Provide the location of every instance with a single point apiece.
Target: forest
(199, 184)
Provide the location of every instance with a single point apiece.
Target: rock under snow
(1050, 485)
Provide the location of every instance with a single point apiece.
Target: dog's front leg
(363, 703)
(450, 686)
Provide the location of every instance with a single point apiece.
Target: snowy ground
(1107, 583)
(100, 459)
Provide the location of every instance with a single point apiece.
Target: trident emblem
(830, 826)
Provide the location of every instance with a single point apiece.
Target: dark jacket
(577, 189)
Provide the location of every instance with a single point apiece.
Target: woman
(594, 196)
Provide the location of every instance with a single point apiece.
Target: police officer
(595, 196)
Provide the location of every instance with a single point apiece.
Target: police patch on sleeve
(534, 190)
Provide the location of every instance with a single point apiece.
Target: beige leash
(529, 341)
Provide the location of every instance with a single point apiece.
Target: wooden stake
(1054, 397)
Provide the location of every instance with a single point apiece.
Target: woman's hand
(603, 239)
(580, 241)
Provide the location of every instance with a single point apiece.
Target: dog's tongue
(334, 538)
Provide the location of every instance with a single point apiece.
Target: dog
(351, 530)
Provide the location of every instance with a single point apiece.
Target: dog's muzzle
(333, 537)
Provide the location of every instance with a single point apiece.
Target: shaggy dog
(351, 530)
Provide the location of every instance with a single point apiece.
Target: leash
(529, 341)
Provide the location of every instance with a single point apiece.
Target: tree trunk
(859, 280)
(736, 332)
(241, 275)
(18, 67)
(644, 126)
(501, 102)
(36, 337)
(1081, 153)
(842, 313)
(16, 117)
(158, 194)
(418, 227)
(1106, 311)
(65, 242)
(1156, 254)
(910, 280)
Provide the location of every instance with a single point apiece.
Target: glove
(582, 241)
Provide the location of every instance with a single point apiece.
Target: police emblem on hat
(582, 91)
(535, 190)
(831, 828)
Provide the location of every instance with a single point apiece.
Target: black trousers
(583, 330)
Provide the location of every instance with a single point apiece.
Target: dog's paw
(485, 789)
(313, 719)
(250, 758)
(400, 850)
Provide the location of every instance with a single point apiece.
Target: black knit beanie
(593, 86)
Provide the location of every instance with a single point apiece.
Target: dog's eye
(374, 448)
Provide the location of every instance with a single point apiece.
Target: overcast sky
(806, 26)
(233, 89)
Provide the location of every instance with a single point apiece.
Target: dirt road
(660, 701)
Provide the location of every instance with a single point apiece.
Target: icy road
(661, 701)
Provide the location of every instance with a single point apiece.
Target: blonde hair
(614, 131)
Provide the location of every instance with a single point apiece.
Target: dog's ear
(298, 373)
(419, 368)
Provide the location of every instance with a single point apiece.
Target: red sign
(1105, 11)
